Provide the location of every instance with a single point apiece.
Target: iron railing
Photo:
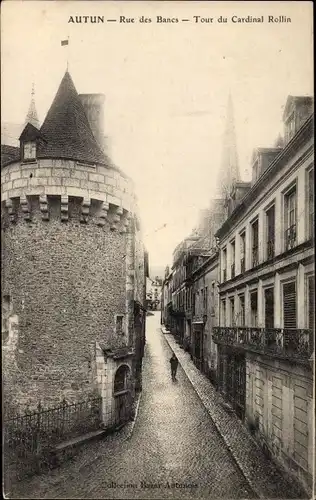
(290, 237)
(30, 437)
(286, 343)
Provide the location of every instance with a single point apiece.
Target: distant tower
(229, 169)
(31, 116)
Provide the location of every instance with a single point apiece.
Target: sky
(166, 88)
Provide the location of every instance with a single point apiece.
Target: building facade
(195, 267)
(201, 309)
(73, 263)
(265, 337)
(166, 299)
(153, 293)
(178, 289)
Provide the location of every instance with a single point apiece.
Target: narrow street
(175, 450)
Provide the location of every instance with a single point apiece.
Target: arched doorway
(122, 395)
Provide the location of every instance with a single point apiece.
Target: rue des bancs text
(281, 19)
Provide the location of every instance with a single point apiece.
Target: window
(213, 299)
(255, 171)
(242, 251)
(119, 324)
(310, 202)
(255, 243)
(29, 151)
(270, 219)
(233, 254)
(241, 310)
(254, 308)
(121, 379)
(224, 264)
(290, 219)
(290, 127)
(223, 312)
(269, 308)
(289, 305)
(232, 311)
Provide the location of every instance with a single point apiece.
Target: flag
(64, 42)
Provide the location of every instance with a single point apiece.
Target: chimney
(94, 108)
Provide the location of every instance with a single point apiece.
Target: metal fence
(29, 438)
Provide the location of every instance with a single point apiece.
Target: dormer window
(290, 127)
(255, 171)
(30, 139)
(29, 150)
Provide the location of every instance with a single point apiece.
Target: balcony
(255, 256)
(242, 265)
(270, 249)
(276, 342)
(189, 312)
(232, 271)
(290, 237)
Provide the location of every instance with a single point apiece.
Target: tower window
(29, 150)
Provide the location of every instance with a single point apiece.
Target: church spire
(229, 169)
(31, 116)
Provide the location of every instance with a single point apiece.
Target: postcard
(157, 228)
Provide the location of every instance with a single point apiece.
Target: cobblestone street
(174, 441)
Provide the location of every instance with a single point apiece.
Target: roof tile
(67, 130)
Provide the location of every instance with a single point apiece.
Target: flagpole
(68, 54)
(63, 43)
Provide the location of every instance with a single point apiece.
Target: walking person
(174, 366)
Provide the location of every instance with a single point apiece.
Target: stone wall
(66, 281)
(67, 177)
(279, 401)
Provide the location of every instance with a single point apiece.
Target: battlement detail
(67, 209)
(60, 177)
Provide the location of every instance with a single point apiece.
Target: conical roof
(67, 130)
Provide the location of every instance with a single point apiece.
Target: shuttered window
(232, 312)
(254, 308)
(311, 302)
(289, 305)
(269, 307)
(241, 310)
(270, 232)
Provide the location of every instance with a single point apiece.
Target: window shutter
(311, 303)
(289, 305)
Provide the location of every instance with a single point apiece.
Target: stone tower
(72, 257)
(211, 218)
